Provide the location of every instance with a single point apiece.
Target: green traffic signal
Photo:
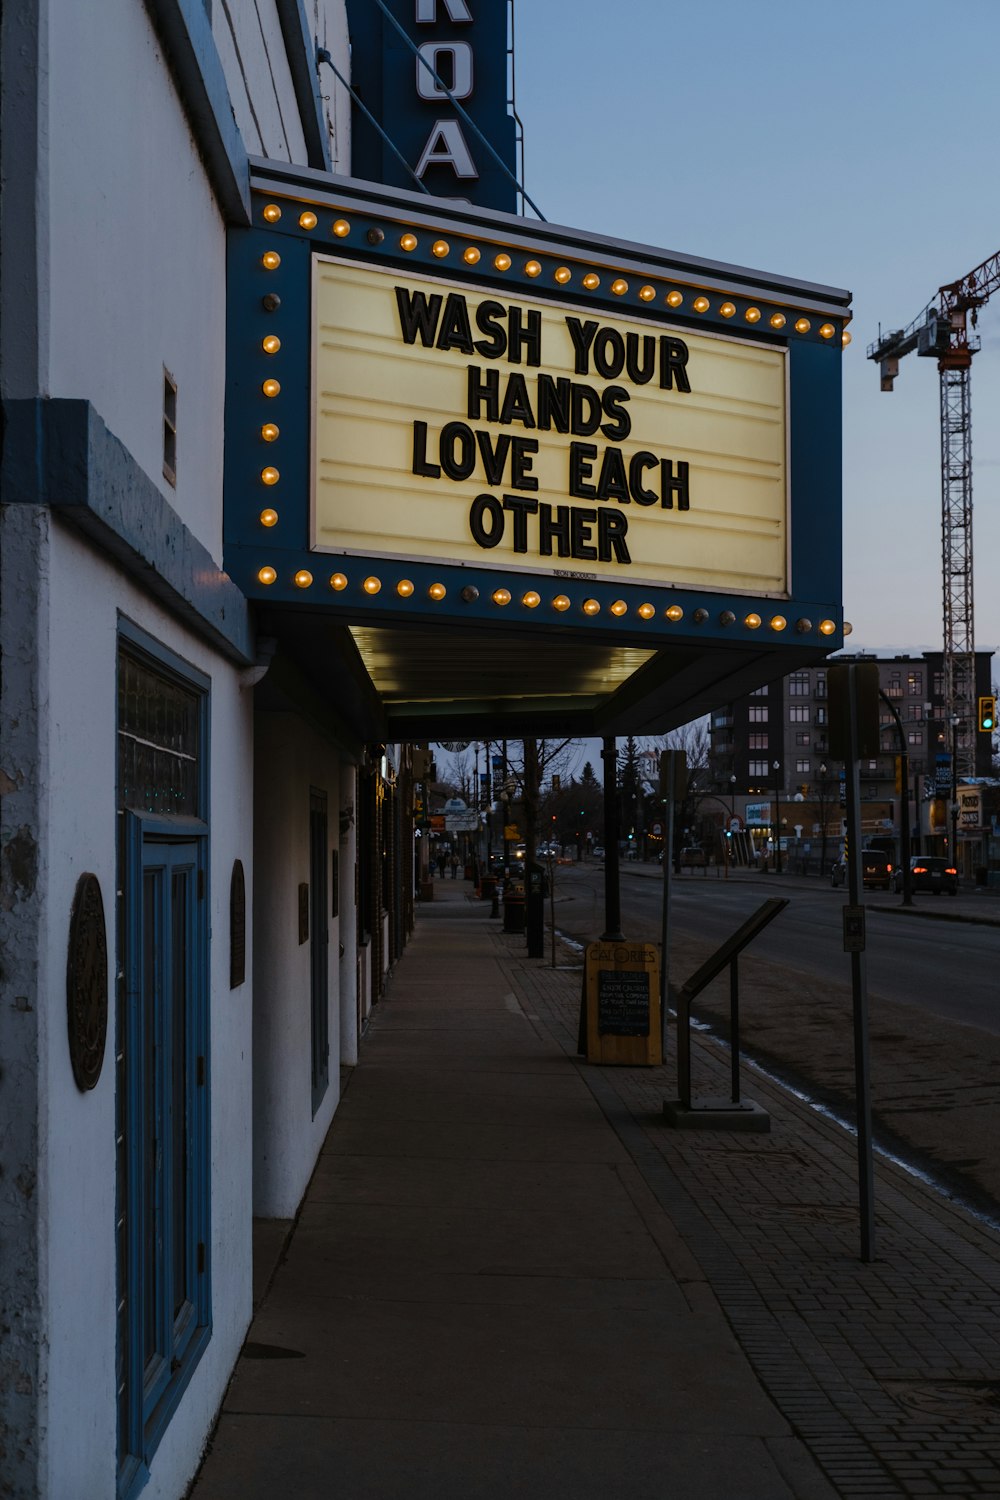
(987, 713)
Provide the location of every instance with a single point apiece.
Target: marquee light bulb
(404, 588)
(307, 220)
(303, 579)
(408, 242)
(700, 616)
(563, 274)
(675, 613)
(531, 600)
(803, 626)
(271, 344)
(270, 475)
(646, 611)
(341, 228)
(848, 628)
(752, 622)
(270, 260)
(777, 320)
(471, 255)
(618, 608)
(266, 575)
(501, 597)
(701, 304)
(827, 331)
(436, 591)
(827, 627)
(778, 622)
(532, 268)
(269, 517)
(591, 281)
(727, 617)
(619, 286)
(272, 213)
(560, 602)
(440, 248)
(269, 432)
(728, 309)
(338, 581)
(372, 585)
(271, 388)
(802, 325)
(845, 339)
(502, 261)
(752, 314)
(591, 607)
(647, 293)
(674, 299)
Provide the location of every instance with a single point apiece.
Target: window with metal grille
(163, 1163)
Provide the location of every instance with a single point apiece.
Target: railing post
(734, 1027)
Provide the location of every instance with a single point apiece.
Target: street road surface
(950, 969)
(934, 992)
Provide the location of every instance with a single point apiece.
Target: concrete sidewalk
(509, 1278)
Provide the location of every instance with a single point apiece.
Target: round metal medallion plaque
(87, 982)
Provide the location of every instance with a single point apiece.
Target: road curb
(937, 916)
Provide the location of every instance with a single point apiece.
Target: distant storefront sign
(970, 809)
(758, 815)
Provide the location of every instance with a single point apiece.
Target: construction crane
(941, 332)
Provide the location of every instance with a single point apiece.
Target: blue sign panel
(463, 43)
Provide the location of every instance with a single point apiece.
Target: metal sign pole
(854, 940)
(667, 788)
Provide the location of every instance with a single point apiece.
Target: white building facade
(183, 971)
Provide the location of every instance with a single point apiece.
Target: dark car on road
(929, 872)
(876, 871)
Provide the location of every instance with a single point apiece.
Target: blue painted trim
(409, 208)
(300, 49)
(59, 453)
(148, 841)
(185, 30)
(163, 660)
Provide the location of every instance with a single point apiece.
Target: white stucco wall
(131, 270)
(291, 758)
(136, 253)
(348, 916)
(78, 1180)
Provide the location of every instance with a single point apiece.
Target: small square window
(169, 427)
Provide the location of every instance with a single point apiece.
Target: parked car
(876, 871)
(929, 872)
(597, 851)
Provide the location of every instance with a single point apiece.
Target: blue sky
(846, 143)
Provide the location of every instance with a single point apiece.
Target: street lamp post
(776, 767)
(954, 790)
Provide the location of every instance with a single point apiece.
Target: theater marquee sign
(440, 414)
(456, 425)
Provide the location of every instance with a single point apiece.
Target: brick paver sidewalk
(890, 1372)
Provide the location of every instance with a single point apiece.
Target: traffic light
(987, 714)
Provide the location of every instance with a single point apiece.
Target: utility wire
(323, 56)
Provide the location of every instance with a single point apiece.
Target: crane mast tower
(941, 332)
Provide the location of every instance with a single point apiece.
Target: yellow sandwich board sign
(622, 990)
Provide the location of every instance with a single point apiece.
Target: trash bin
(513, 906)
(487, 886)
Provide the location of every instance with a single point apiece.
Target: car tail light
(950, 871)
(920, 869)
(889, 869)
